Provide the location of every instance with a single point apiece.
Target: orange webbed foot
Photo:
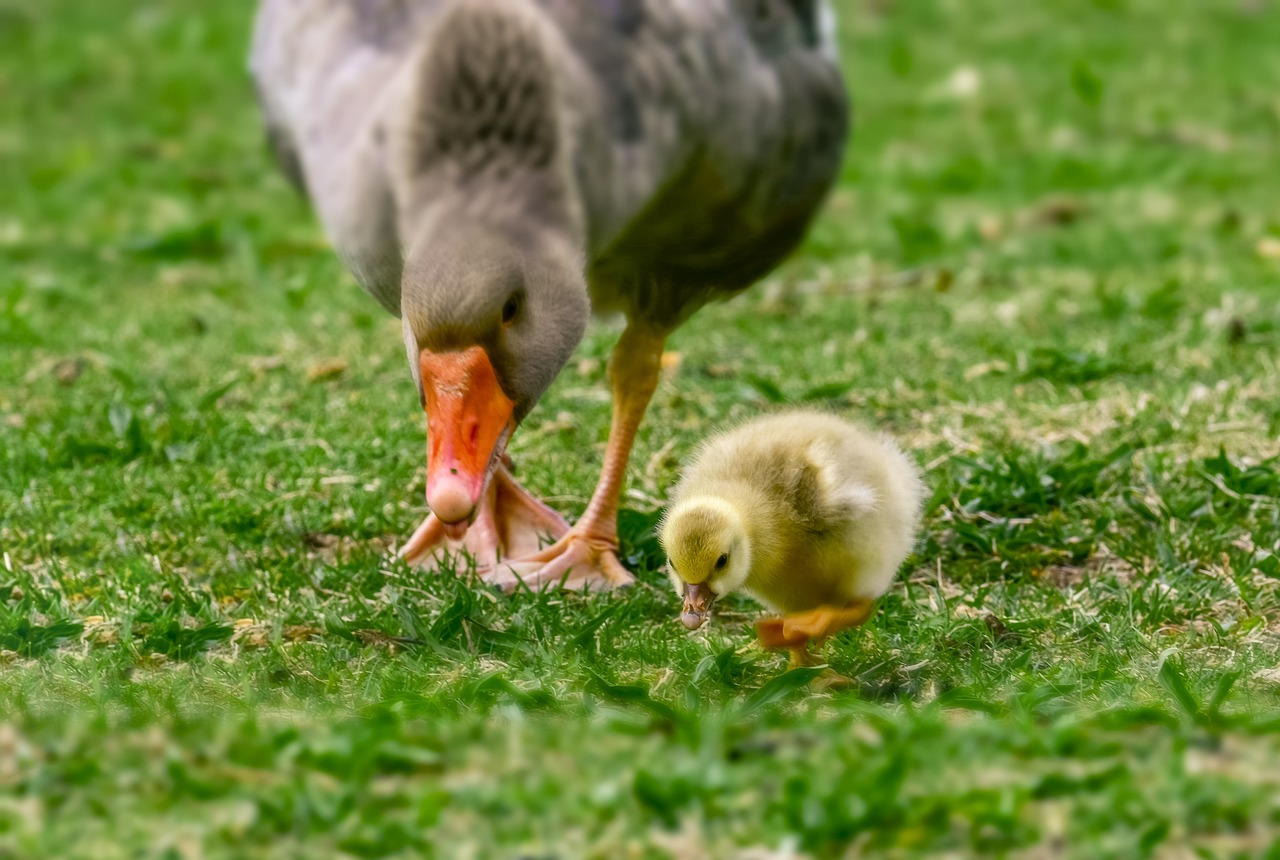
(582, 559)
(797, 630)
(510, 522)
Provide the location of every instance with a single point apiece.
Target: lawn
(1051, 268)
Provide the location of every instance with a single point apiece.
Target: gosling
(809, 514)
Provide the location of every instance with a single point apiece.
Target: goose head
(490, 317)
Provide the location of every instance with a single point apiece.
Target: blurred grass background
(1050, 268)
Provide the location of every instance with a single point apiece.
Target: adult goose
(495, 171)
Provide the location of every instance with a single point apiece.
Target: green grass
(1046, 269)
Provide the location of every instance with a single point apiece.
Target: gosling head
(709, 552)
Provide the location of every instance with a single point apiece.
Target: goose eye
(722, 561)
(509, 310)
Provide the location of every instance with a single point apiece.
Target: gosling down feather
(807, 513)
(496, 171)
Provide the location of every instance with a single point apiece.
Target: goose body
(550, 159)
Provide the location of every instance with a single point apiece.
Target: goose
(496, 172)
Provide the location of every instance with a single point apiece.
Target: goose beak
(469, 419)
(698, 598)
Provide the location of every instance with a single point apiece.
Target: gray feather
(692, 141)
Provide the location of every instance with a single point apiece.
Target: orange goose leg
(586, 555)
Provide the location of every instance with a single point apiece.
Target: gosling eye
(722, 561)
(510, 309)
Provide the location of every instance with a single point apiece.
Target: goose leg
(509, 523)
(585, 557)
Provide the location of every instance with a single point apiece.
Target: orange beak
(469, 419)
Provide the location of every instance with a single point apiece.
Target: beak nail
(693, 620)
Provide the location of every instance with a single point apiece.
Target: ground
(1050, 268)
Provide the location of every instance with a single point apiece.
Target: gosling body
(801, 510)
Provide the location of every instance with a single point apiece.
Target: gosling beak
(469, 419)
(698, 598)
